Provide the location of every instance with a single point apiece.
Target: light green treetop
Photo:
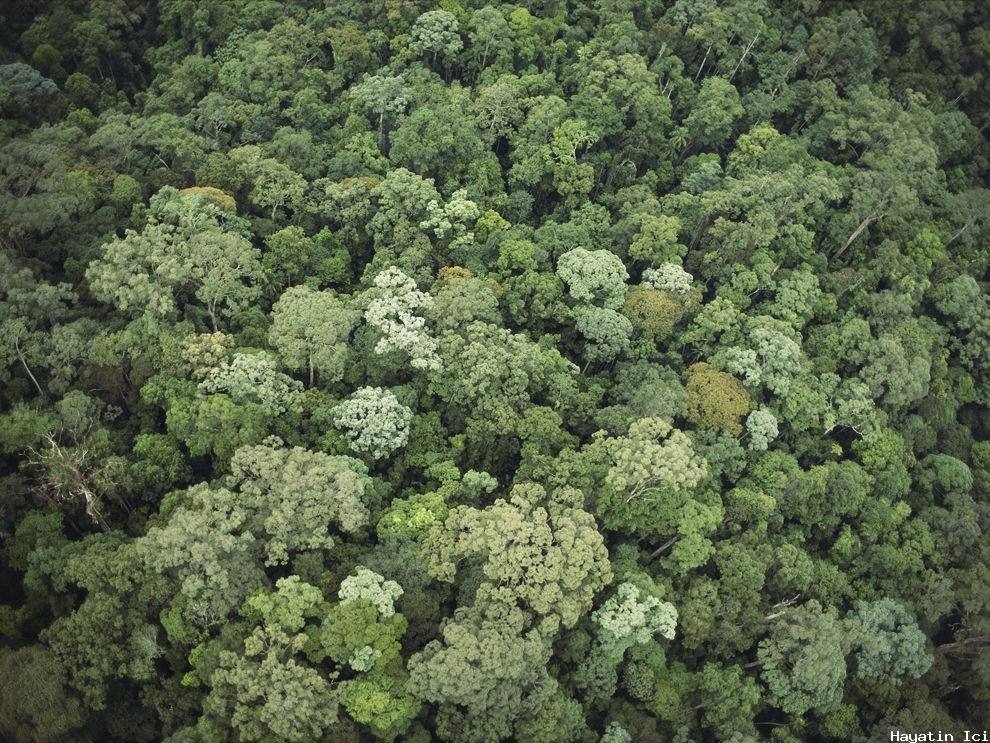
(594, 277)
(633, 617)
(310, 331)
(394, 311)
(369, 585)
(668, 277)
(252, 377)
(548, 553)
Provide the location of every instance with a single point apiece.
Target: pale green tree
(373, 421)
(545, 550)
(594, 277)
(295, 494)
(265, 694)
(606, 333)
(435, 33)
(888, 645)
(489, 658)
(369, 585)
(804, 659)
(761, 427)
(186, 251)
(253, 377)
(394, 309)
(668, 277)
(310, 330)
(381, 95)
(652, 471)
(632, 617)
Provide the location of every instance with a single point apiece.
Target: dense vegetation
(608, 371)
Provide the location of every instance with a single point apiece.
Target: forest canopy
(556, 373)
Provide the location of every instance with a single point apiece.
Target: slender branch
(870, 219)
(782, 606)
(20, 356)
(665, 546)
(953, 647)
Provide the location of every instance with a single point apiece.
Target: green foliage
(632, 617)
(594, 277)
(310, 331)
(651, 473)
(368, 585)
(252, 378)
(715, 400)
(652, 312)
(435, 33)
(890, 644)
(544, 549)
(265, 695)
(374, 421)
(605, 331)
(36, 704)
(351, 352)
(804, 660)
(295, 494)
(184, 253)
(391, 309)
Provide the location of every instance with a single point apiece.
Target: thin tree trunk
(20, 356)
(702, 65)
(870, 219)
(743, 57)
(665, 546)
(952, 647)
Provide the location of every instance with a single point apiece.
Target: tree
(656, 242)
(606, 333)
(22, 86)
(489, 36)
(594, 277)
(714, 113)
(804, 660)
(28, 313)
(264, 693)
(770, 358)
(310, 330)
(35, 704)
(381, 95)
(293, 257)
(367, 584)
(669, 277)
(633, 617)
(651, 473)
(715, 400)
(442, 143)
(545, 551)
(184, 250)
(729, 700)
(761, 427)
(490, 657)
(274, 184)
(391, 310)
(294, 494)
(374, 421)
(888, 644)
(253, 378)
(435, 33)
(652, 312)
(205, 552)
(489, 376)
